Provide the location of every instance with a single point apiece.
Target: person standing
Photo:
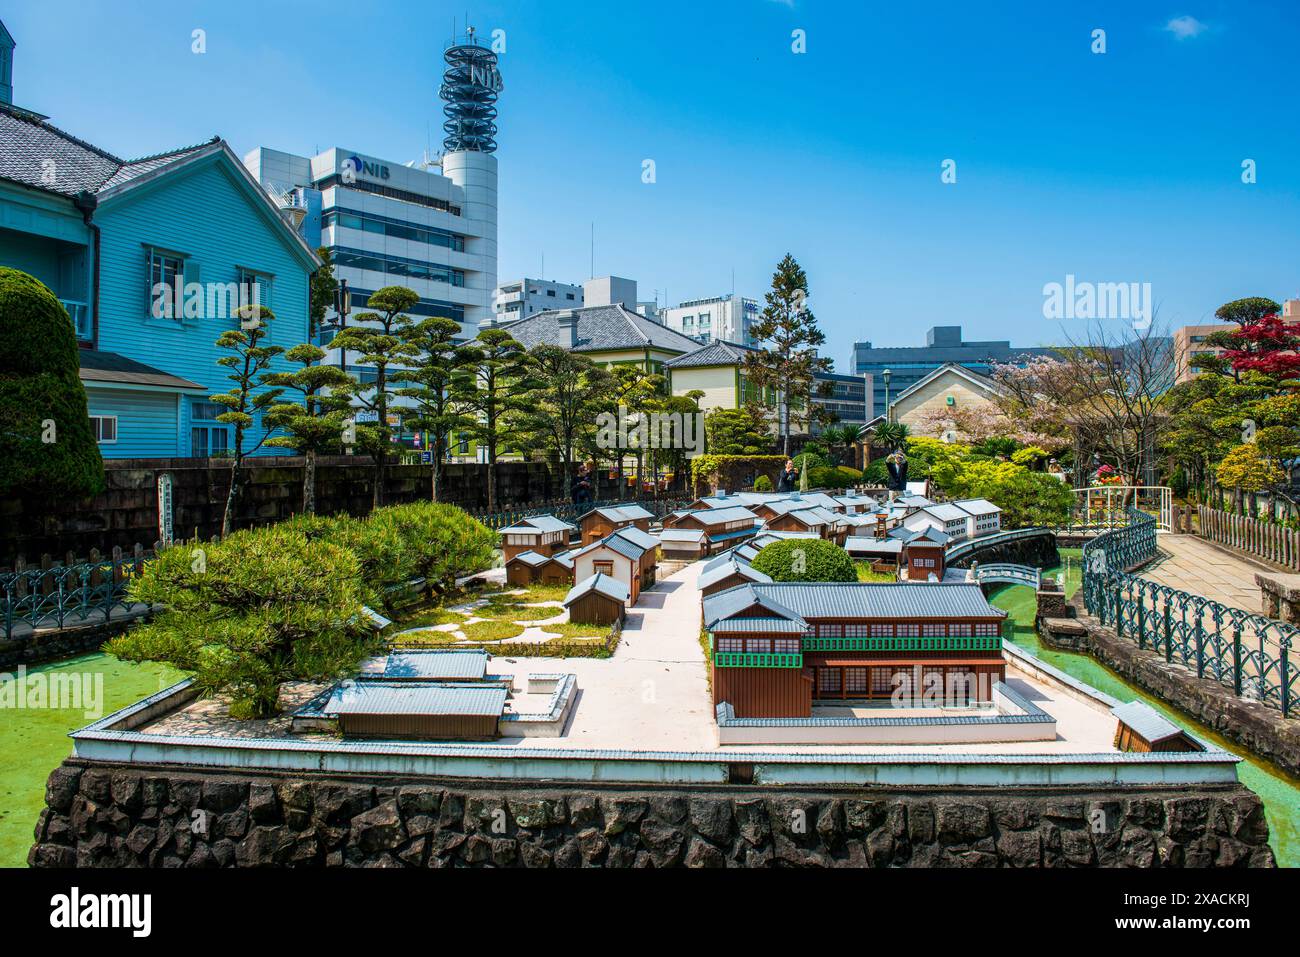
(789, 479)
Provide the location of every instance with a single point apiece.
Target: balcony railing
(79, 312)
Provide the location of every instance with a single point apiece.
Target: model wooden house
(543, 534)
(924, 554)
(947, 518)
(727, 571)
(597, 600)
(722, 527)
(1142, 728)
(780, 649)
(605, 519)
(798, 516)
(683, 544)
(621, 557)
(985, 518)
(534, 568)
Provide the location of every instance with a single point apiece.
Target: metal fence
(1269, 541)
(56, 595)
(1246, 652)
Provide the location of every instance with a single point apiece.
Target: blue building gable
(192, 220)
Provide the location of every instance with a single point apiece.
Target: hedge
(806, 560)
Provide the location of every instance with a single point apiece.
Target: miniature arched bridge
(1008, 574)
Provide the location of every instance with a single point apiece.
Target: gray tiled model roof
(758, 626)
(714, 354)
(536, 525)
(977, 506)
(415, 698)
(458, 665)
(711, 576)
(872, 545)
(913, 501)
(721, 516)
(1146, 721)
(42, 156)
(531, 559)
(814, 600)
(600, 583)
(617, 543)
(620, 513)
(928, 534)
(111, 367)
(691, 535)
(600, 329)
(645, 540)
(945, 512)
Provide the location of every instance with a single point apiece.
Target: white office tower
(476, 174)
(718, 319)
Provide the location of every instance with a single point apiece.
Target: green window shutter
(192, 271)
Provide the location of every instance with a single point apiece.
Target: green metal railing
(951, 643)
(1249, 653)
(731, 660)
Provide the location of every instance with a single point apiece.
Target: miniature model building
(722, 527)
(543, 534)
(683, 544)
(779, 649)
(1142, 728)
(604, 519)
(533, 568)
(598, 600)
(628, 555)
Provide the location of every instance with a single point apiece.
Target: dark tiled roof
(42, 156)
(714, 354)
(600, 329)
(855, 601)
(111, 367)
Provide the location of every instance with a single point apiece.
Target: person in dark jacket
(789, 478)
(581, 489)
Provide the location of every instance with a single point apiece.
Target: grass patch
(867, 574)
(518, 612)
(545, 593)
(708, 658)
(492, 630)
(569, 631)
(426, 639)
(431, 617)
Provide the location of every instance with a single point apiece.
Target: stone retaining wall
(109, 816)
(1257, 727)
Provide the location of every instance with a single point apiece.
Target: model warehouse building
(777, 649)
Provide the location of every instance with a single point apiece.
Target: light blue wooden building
(107, 235)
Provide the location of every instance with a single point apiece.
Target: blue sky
(1118, 167)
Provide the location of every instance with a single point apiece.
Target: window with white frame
(787, 646)
(882, 631)
(934, 630)
(105, 428)
(166, 284)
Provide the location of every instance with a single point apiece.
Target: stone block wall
(132, 816)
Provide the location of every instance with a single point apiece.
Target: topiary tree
(46, 443)
(443, 542)
(805, 560)
(762, 484)
(262, 607)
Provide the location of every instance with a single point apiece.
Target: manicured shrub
(262, 607)
(46, 443)
(806, 560)
(441, 542)
(762, 484)
(834, 477)
(385, 558)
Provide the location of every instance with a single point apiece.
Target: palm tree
(839, 437)
(892, 434)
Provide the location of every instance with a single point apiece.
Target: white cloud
(1185, 27)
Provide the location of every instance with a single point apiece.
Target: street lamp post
(886, 375)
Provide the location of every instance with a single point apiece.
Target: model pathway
(1195, 566)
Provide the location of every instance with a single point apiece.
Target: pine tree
(382, 340)
(248, 362)
(436, 361)
(787, 361)
(496, 384)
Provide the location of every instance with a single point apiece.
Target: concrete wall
(132, 816)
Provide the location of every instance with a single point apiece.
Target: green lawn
(33, 742)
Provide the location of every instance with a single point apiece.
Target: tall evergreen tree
(573, 391)
(321, 293)
(436, 363)
(248, 362)
(313, 425)
(496, 384)
(46, 443)
(786, 361)
(381, 339)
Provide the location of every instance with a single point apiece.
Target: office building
(718, 319)
(943, 344)
(1189, 341)
(521, 298)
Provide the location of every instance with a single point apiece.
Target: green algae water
(33, 740)
(1279, 792)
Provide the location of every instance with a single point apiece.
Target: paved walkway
(1192, 565)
